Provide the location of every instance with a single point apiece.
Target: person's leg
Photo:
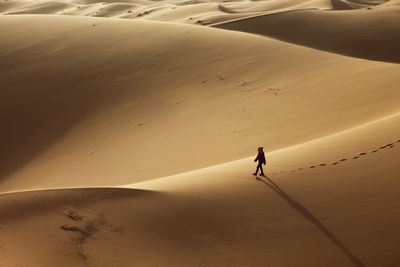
(261, 169)
(256, 172)
(258, 166)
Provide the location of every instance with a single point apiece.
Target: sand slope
(127, 142)
(201, 12)
(333, 215)
(366, 33)
(79, 107)
(191, 12)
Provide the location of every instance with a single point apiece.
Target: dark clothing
(259, 167)
(261, 160)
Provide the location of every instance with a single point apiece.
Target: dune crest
(100, 100)
(370, 33)
(128, 133)
(290, 211)
(191, 12)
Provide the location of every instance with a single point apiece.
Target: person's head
(260, 149)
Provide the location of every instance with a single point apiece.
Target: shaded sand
(91, 113)
(201, 12)
(222, 216)
(192, 12)
(365, 33)
(127, 142)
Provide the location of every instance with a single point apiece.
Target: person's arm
(256, 158)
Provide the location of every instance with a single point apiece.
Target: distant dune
(365, 33)
(198, 12)
(82, 106)
(128, 135)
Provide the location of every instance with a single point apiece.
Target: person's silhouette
(261, 160)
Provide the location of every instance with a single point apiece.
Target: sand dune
(192, 12)
(365, 33)
(355, 4)
(127, 142)
(184, 11)
(366, 29)
(80, 120)
(222, 215)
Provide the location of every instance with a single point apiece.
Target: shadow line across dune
(20, 205)
(361, 30)
(311, 218)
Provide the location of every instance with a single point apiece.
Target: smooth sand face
(222, 215)
(183, 11)
(370, 33)
(85, 105)
(127, 142)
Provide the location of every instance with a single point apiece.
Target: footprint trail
(342, 160)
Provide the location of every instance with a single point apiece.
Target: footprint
(334, 163)
(300, 169)
(363, 153)
(322, 164)
(273, 91)
(311, 167)
(343, 159)
(356, 157)
(144, 13)
(374, 151)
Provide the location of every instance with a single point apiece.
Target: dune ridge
(102, 108)
(191, 12)
(126, 133)
(384, 123)
(291, 21)
(82, 221)
(370, 33)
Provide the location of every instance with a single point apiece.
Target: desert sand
(129, 129)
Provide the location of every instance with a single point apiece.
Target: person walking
(261, 161)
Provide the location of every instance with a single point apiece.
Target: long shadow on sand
(306, 214)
